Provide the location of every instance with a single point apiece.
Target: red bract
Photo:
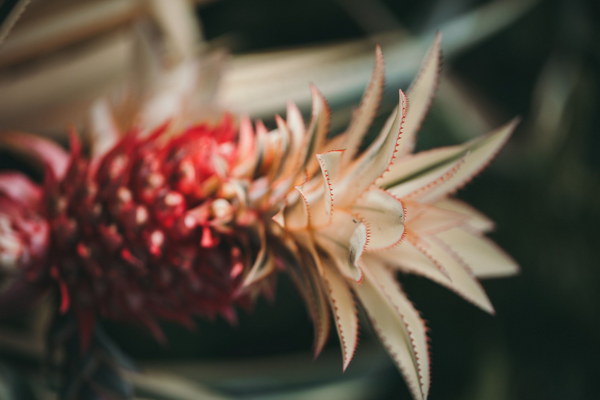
(23, 239)
(137, 233)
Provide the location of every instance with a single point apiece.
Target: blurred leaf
(13, 385)
(87, 373)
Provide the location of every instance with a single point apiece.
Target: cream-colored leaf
(295, 121)
(421, 172)
(475, 219)
(383, 214)
(314, 294)
(317, 129)
(282, 151)
(344, 310)
(477, 154)
(297, 214)
(385, 281)
(294, 125)
(320, 200)
(392, 331)
(261, 148)
(420, 94)
(246, 156)
(427, 219)
(413, 166)
(345, 239)
(407, 258)
(364, 114)
(483, 257)
(263, 265)
(330, 164)
(102, 127)
(463, 280)
(373, 162)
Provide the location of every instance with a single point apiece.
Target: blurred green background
(543, 191)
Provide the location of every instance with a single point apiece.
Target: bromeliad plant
(170, 223)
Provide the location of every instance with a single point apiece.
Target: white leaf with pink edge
(386, 282)
(364, 114)
(474, 218)
(391, 328)
(344, 310)
(483, 256)
(372, 164)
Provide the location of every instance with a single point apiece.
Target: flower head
(140, 232)
(176, 223)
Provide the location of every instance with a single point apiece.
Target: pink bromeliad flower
(173, 222)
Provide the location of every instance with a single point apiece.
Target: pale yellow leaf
(344, 310)
(317, 130)
(364, 114)
(373, 162)
(475, 219)
(483, 256)
(392, 331)
(427, 219)
(385, 281)
(424, 167)
(407, 258)
(463, 281)
(420, 94)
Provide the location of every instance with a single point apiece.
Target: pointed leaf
(374, 162)
(480, 154)
(295, 122)
(419, 95)
(297, 214)
(407, 258)
(474, 219)
(387, 285)
(426, 219)
(245, 148)
(264, 263)
(283, 145)
(307, 277)
(261, 149)
(103, 128)
(483, 256)
(320, 203)
(477, 153)
(317, 130)
(463, 280)
(344, 311)
(392, 331)
(330, 165)
(411, 167)
(363, 116)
